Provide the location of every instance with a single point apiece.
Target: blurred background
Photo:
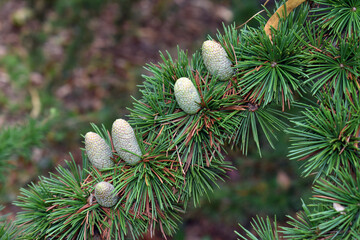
(64, 64)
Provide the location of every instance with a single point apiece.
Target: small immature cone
(124, 138)
(104, 194)
(186, 95)
(98, 152)
(216, 60)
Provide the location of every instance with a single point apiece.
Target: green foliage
(229, 40)
(62, 206)
(8, 230)
(18, 141)
(335, 67)
(200, 181)
(301, 227)
(334, 212)
(18, 71)
(325, 139)
(272, 70)
(148, 189)
(183, 155)
(263, 228)
(258, 121)
(197, 138)
(338, 17)
(339, 197)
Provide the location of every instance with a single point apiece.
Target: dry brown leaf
(274, 19)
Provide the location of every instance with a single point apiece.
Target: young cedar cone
(216, 60)
(124, 138)
(104, 194)
(98, 152)
(186, 95)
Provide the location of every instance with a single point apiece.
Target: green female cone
(98, 152)
(104, 194)
(216, 60)
(124, 138)
(186, 95)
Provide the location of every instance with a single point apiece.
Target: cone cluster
(123, 136)
(216, 60)
(125, 144)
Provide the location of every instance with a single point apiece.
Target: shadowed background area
(64, 64)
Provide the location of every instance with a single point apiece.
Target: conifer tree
(170, 149)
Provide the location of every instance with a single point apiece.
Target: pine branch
(334, 212)
(19, 140)
(338, 17)
(8, 230)
(325, 139)
(62, 206)
(263, 228)
(334, 67)
(179, 151)
(272, 70)
(258, 121)
(340, 197)
(301, 226)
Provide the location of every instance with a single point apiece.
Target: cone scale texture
(104, 194)
(124, 138)
(216, 60)
(98, 152)
(186, 95)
